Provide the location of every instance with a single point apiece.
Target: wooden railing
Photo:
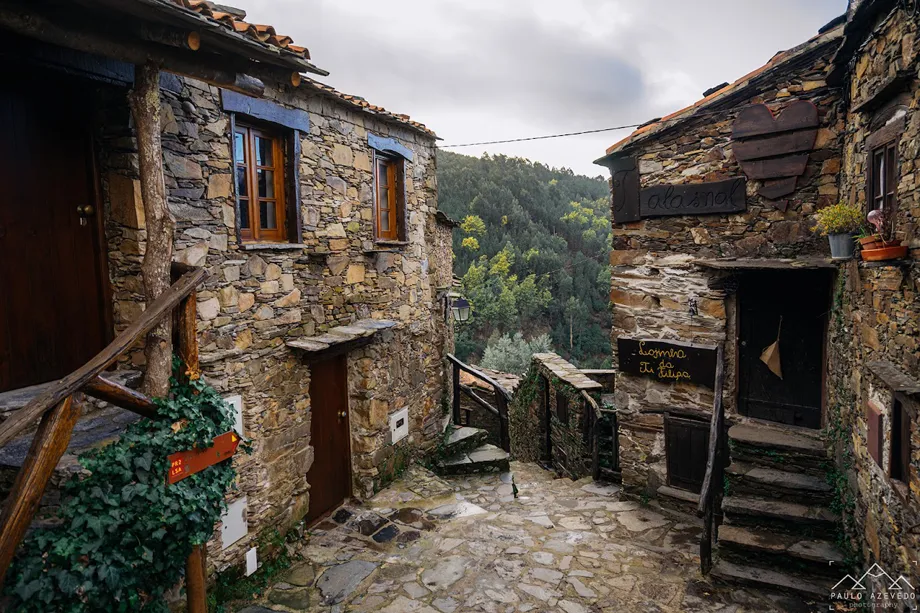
(502, 399)
(711, 493)
(59, 407)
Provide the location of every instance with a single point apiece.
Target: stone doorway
(793, 307)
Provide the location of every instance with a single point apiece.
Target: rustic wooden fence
(59, 407)
(502, 399)
(711, 493)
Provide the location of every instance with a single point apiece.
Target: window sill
(388, 243)
(272, 246)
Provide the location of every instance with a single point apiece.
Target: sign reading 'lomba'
(668, 361)
(696, 199)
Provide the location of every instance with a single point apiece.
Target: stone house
(714, 264)
(314, 212)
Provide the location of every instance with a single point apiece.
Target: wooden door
(330, 474)
(802, 299)
(687, 451)
(53, 311)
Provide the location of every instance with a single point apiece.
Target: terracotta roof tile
(689, 111)
(262, 33)
(361, 103)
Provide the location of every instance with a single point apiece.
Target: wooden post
(456, 398)
(48, 445)
(195, 583)
(504, 435)
(145, 109)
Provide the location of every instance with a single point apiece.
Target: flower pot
(884, 253)
(870, 242)
(842, 246)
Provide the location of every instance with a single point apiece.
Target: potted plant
(838, 223)
(881, 249)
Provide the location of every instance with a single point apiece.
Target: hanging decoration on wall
(770, 355)
(775, 149)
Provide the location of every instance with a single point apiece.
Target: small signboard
(727, 196)
(186, 463)
(668, 361)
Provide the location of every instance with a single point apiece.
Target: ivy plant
(124, 534)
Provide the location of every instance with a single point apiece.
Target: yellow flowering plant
(839, 219)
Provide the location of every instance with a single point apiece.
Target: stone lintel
(893, 377)
(769, 264)
(363, 328)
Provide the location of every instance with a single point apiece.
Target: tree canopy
(532, 250)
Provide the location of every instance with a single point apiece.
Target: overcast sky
(477, 70)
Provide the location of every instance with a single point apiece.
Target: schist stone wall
(258, 297)
(553, 388)
(875, 342)
(661, 287)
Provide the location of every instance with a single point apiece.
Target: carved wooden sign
(694, 199)
(186, 463)
(668, 361)
(775, 149)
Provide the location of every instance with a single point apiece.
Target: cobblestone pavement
(433, 545)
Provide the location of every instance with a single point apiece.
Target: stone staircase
(466, 452)
(778, 531)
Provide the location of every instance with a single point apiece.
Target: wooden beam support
(480, 400)
(121, 396)
(188, 336)
(21, 419)
(196, 581)
(48, 445)
(190, 41)
(178, 61)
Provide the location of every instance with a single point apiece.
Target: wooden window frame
(900, 452)
(396, 198)
(255, 233)
(883, 145)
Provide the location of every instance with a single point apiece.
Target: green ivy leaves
(125, 534)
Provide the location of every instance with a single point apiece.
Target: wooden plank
(187, 333)
(19, 421)
(777, 188)
(480, 400)
(774, 145)
(121, 396)
(716, 432)
(456, 391)
(757, 119)
(885, 134)
(776, 168)
(728, 196)
(624, 176)
(479, 375)
(48, 445)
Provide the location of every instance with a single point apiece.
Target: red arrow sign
(186, 463)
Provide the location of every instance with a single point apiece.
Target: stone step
(677, 499)
(770, 549)
(463, 439)
(774, 484)
(778, 447)
(781, 516)
(754, 576)
(483, 459)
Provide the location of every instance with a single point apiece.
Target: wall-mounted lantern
(456, 306)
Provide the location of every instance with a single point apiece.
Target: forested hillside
(532, 252)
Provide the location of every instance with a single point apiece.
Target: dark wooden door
(802, 299)
(687, 451)
(330, 474)
(53, 314)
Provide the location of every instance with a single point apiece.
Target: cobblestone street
(435, 545)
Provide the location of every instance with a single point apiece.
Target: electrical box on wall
(252, 561)
(233, 523)
(399, 425)
(236, 405)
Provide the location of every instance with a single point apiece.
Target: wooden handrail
(73, 382)
(480, 375)
(121, 396)
(479, 400)
(714, 464)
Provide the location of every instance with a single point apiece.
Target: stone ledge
(361, 329)
(567, 372)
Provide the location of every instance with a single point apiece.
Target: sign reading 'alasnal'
(668, 361)
(694, 199)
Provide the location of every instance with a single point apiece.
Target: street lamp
(459, 307)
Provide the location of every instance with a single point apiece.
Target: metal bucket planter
(842, 246)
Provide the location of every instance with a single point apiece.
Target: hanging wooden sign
(668, 361)
(775, 149)
(624, 177)
(694, 199)
(186, 463)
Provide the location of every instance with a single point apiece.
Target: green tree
(513, 354)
